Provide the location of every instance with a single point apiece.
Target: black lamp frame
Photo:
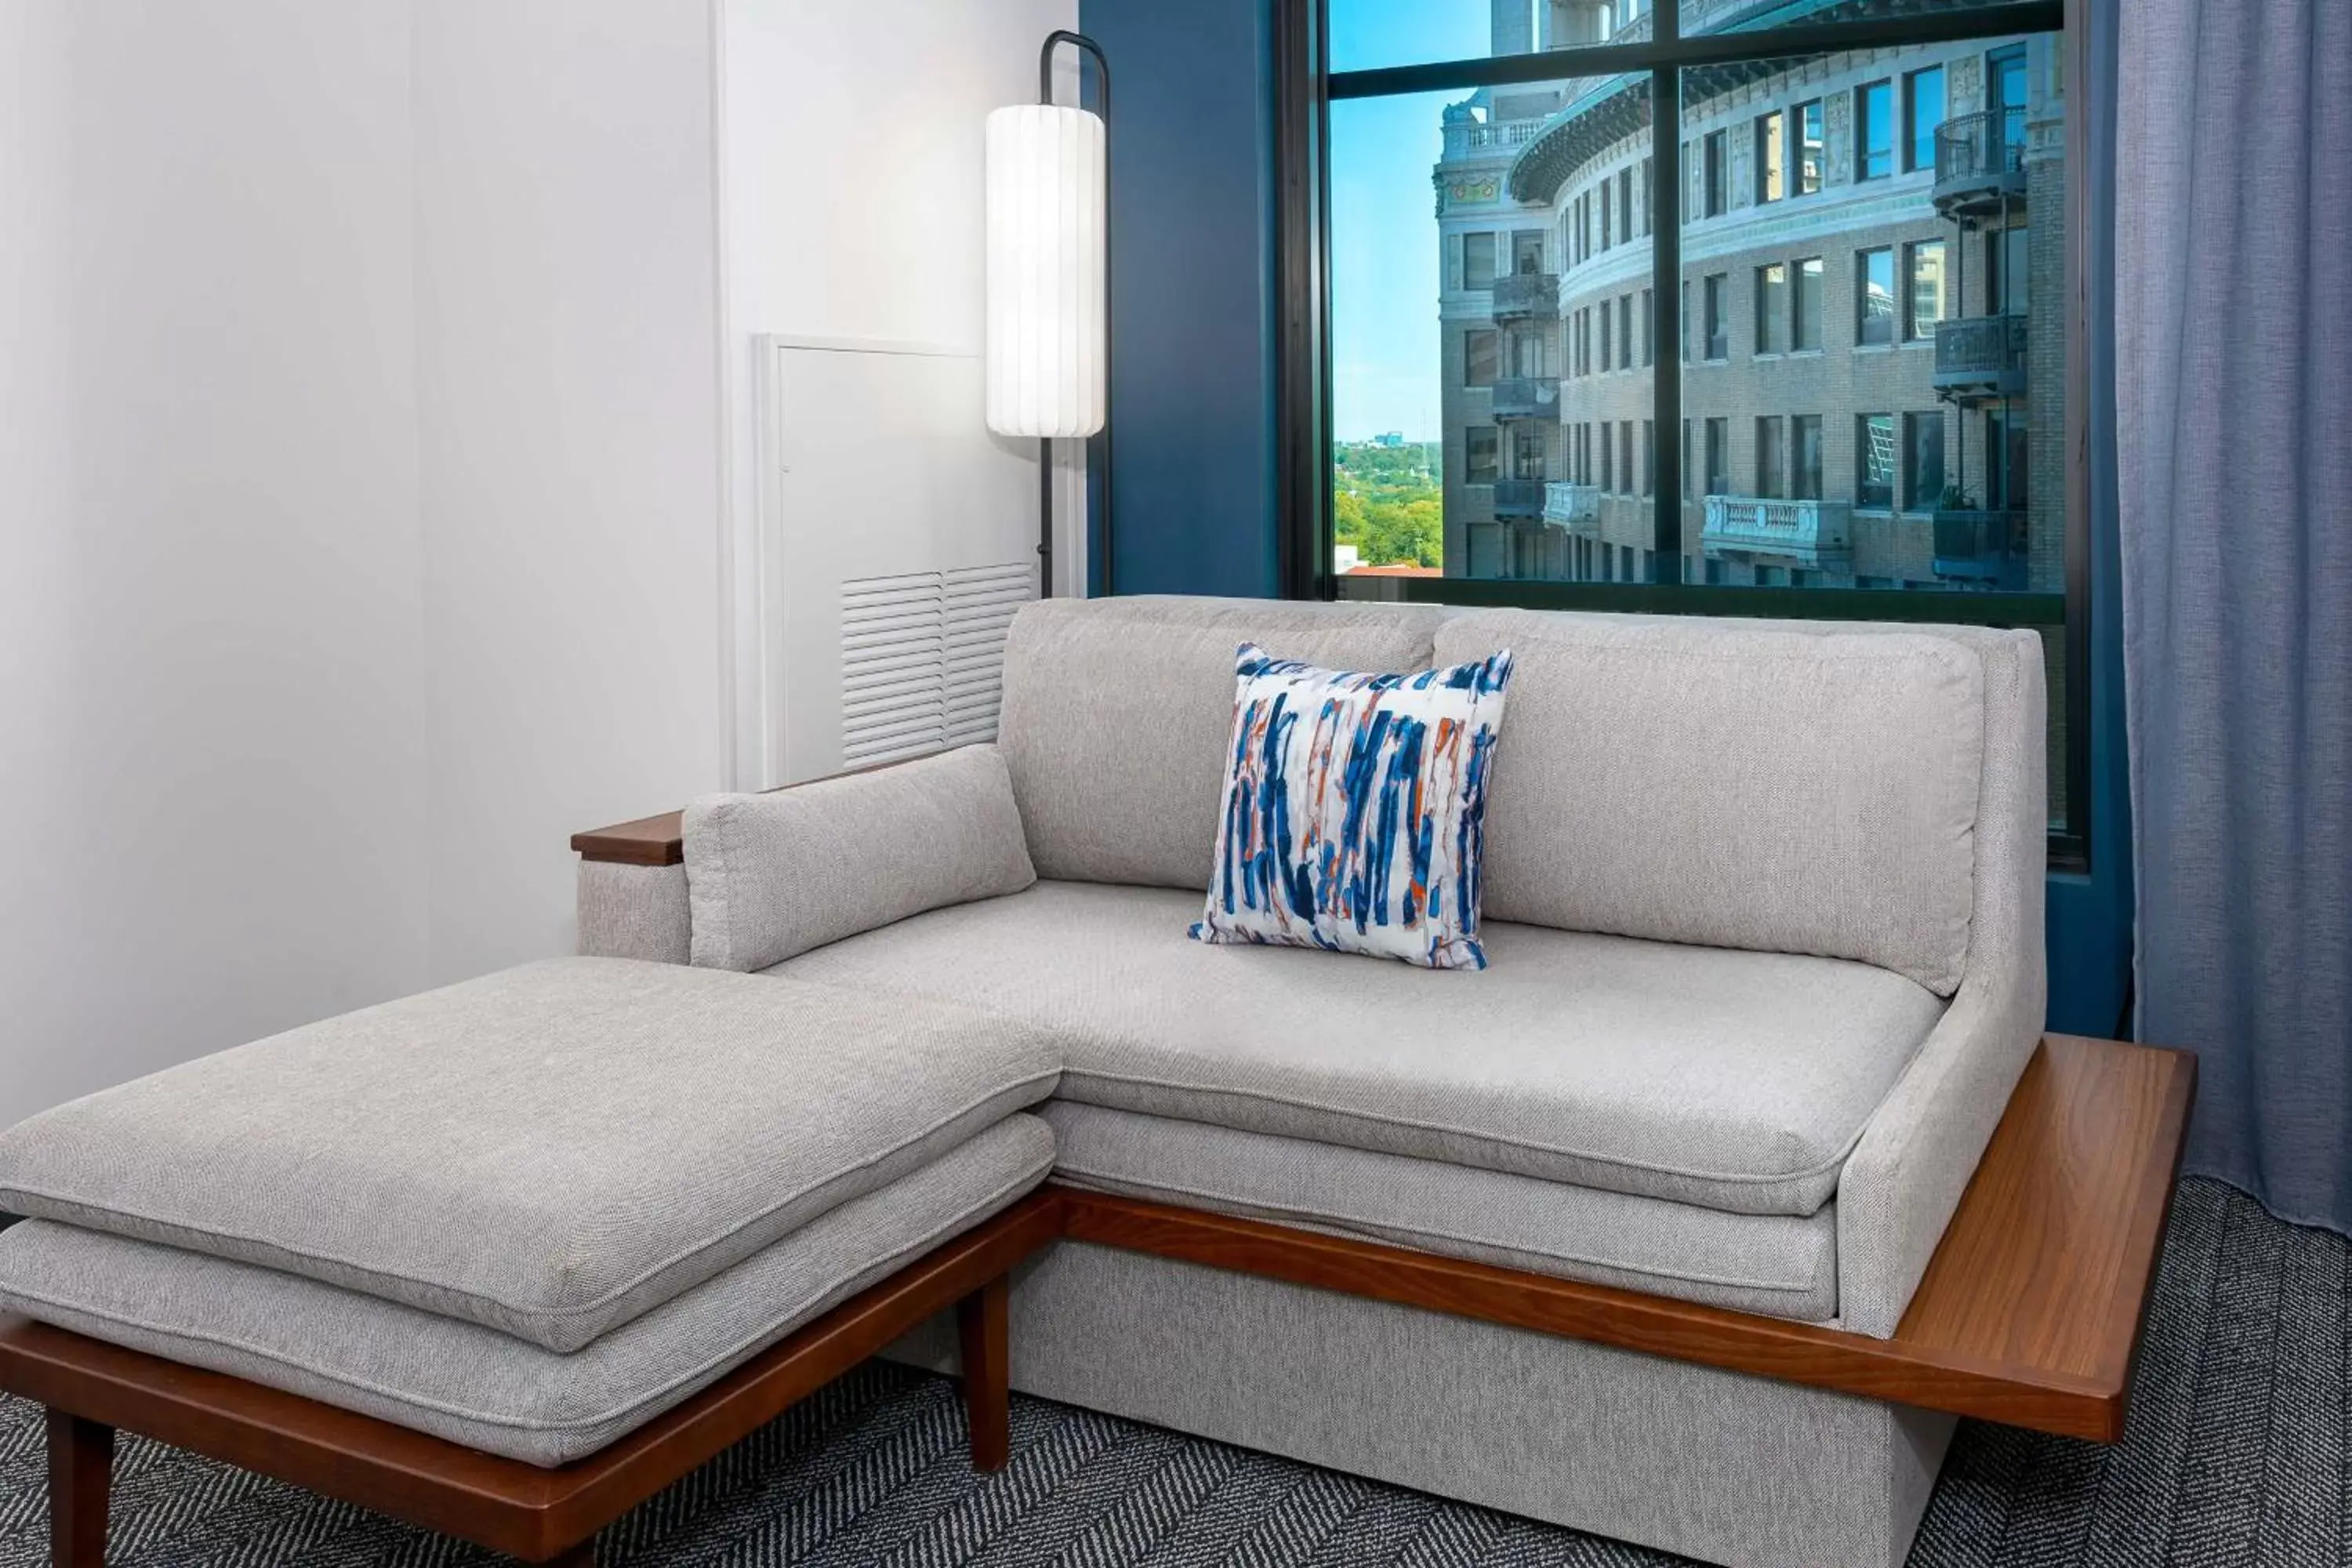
(1099, 444)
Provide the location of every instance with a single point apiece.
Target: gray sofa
(1764, 915)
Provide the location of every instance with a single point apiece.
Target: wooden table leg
(81, 1468)
(984, 1318)
(581, 1556)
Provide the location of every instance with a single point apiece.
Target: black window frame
(1304, 91)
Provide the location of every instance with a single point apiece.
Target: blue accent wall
(1192, 294)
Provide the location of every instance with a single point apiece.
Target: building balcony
(1980, 163)
(1814, 533)
(1527, 397)
(1982, 549)
(1475, 138)
(1980, 358)
(1518, 500)
(1526, 296)
(1576, 508)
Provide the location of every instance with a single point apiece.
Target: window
(1480, 448)
(1624, 331)
(1769, 145)
(1645, 198)
(2006, 271)
(1649, 328)
(1923, 443)
(1718, 456)
(1717, 175)
(1718, 323)
(1686, 322)
(1873, 296)
(1625, 455)
(1478, 357)
(1873, 460)
(1608, 234)
(1873, 120)
(1649, 457)
(1608, 459)
(2007, 488)
(1527, 357)
(1527, 251)
(1813, 149)
(1773, 307)
(1688, 472)
(2005, 80)
(1923, 111)
(1805, 309)
(1605, 313)
(1923, 288)
(1625, 203)
(1768, 456)
(1805, 457)
(1478, 261)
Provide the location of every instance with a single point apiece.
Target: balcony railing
(1527, 397)
(1807, 532)
(1518, 499)
(1979, 358)
(1982, 549)
(1574, 506)
(1467, 137)
(1525, 294)
(1980, 162)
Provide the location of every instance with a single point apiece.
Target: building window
(1528, 251)
(1649, 328)
(1478, 357)
(1686, 320)
(1718, 456)
(2006, 271)
(1874, 295)
(1625, 455)
(2007, 488)
(1923, 288)
(1806, 307)
(1813, 149)
(1480, 467)
(1689, 476)
(1604, 335)
(1719, 316)
(1805, 457)
(1923, 111)
(1625, 203)
(1608, 456)
(1717, 174)
(1646, 188)
(2005, 93)
(1607, 232)
(1649, 457)
(1873, 121)
(1478, 261)
(1923, 442)
(1768, 456)
(1624, 331)
(1770, 146)
(1873, 460)
(1773, 307)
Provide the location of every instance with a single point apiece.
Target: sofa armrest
(1905, 1176)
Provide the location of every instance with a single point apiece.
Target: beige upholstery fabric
(634, 911)
(1775, 1264)
(549, 1150)
(1703, 781)
(1117, 711)
(1732, 1080)
(771, 875)
(476, 1385)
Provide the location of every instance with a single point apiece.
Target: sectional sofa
(1764, 911)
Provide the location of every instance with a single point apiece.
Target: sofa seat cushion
(549, 1150)
(476, 1385)
(1784, 1265)
(1731, 1079)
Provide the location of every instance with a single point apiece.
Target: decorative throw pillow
(1354, 809)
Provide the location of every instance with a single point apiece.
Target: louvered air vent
(922, 658)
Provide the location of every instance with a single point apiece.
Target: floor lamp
(1048, 266)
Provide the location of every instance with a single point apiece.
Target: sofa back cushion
(1736, 785)
(1118, 712)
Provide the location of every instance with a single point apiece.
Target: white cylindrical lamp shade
(1046, 353)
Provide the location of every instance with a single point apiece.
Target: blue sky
(1383, 231)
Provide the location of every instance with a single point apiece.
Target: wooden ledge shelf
(2030, 1313)
(647, 841)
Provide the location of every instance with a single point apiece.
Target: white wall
(211, 669)
(853, 159)
(567, 333)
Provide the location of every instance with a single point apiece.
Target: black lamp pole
(1100, 441)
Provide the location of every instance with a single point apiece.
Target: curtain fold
(2233, 390)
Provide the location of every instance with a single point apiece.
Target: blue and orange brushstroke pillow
(1355, 809)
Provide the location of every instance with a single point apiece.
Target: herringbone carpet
(2236, 1456)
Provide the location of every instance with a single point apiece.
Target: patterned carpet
(2236, 1456)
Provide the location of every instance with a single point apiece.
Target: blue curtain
(2233, 391)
